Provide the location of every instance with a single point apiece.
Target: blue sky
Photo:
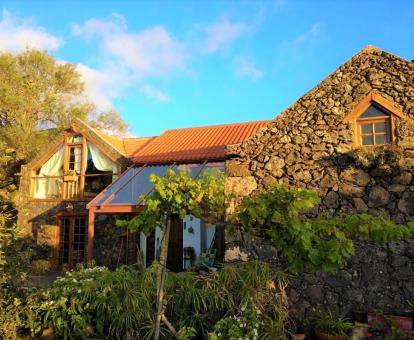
(168, 64)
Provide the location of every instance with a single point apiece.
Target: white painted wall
(158, 239)
(192, 239)
(202, 236)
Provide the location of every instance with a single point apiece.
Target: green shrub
(11, 314)
(97, 303)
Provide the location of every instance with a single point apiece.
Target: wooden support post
(91, 233)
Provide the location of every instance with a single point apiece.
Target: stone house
(350, 139)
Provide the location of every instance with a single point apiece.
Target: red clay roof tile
(125, 146)
(133, 145)
(195, 144)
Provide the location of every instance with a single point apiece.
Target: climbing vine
(322, 243)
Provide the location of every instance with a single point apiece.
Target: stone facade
(309, 146)
(113, 246)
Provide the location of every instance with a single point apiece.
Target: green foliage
(12, 316)
(98, 303)
(17, 253)
(334, 325)
(322, 243)
(39, 97)
(377, 156)
(186, 333)
(179, 194)
(36, 90)
(109, 121)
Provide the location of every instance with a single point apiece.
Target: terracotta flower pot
(48, 334)
(403, 322)
(299, 336)
(360, 330)
(323, 336)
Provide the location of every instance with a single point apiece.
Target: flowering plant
(247, 324)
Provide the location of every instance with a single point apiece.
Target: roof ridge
(143, 137)
(217, 125)
(372, 49)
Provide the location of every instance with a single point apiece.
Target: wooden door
(175, 245)
(73, 240)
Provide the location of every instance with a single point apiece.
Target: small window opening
(374, 126)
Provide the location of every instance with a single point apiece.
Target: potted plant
(404, 322)
(70, 176)
(388, 329)
(332, 327)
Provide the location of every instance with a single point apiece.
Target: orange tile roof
(195, 144)
(125, 146)
(115, 142)
(133, 145)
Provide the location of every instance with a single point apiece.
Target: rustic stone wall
(113, 246)
(309, 146)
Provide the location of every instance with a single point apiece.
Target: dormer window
(374, 126)
(373, 120)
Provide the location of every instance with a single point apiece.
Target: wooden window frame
(372, 121)
(373, 99)
(67, 145)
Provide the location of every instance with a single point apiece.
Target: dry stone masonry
(309, 146)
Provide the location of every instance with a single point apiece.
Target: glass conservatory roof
(134, 182)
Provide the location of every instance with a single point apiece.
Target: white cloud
(312, 34)
(246, 68)
(154, 93)
(104, 84)
(221, 33)
(151, 52)
(136, 58)
(17, 34)
(96, 83)
(128, 58)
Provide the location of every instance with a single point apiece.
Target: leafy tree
(322, 243)
(39, 97)
(36, 93)
(109, 122)
(177, 194)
